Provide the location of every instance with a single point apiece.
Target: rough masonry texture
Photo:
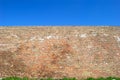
(59, 52)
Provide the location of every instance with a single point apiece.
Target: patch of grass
(25, 78)
(11, 78)
(69, 79)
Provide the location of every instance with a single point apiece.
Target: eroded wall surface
(60, 51)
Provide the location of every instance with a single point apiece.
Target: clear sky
(59, 12)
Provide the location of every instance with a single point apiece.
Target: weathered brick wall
(60, 51)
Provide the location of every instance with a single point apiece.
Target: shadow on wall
(10, 66)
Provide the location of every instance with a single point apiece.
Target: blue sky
(59, 12)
